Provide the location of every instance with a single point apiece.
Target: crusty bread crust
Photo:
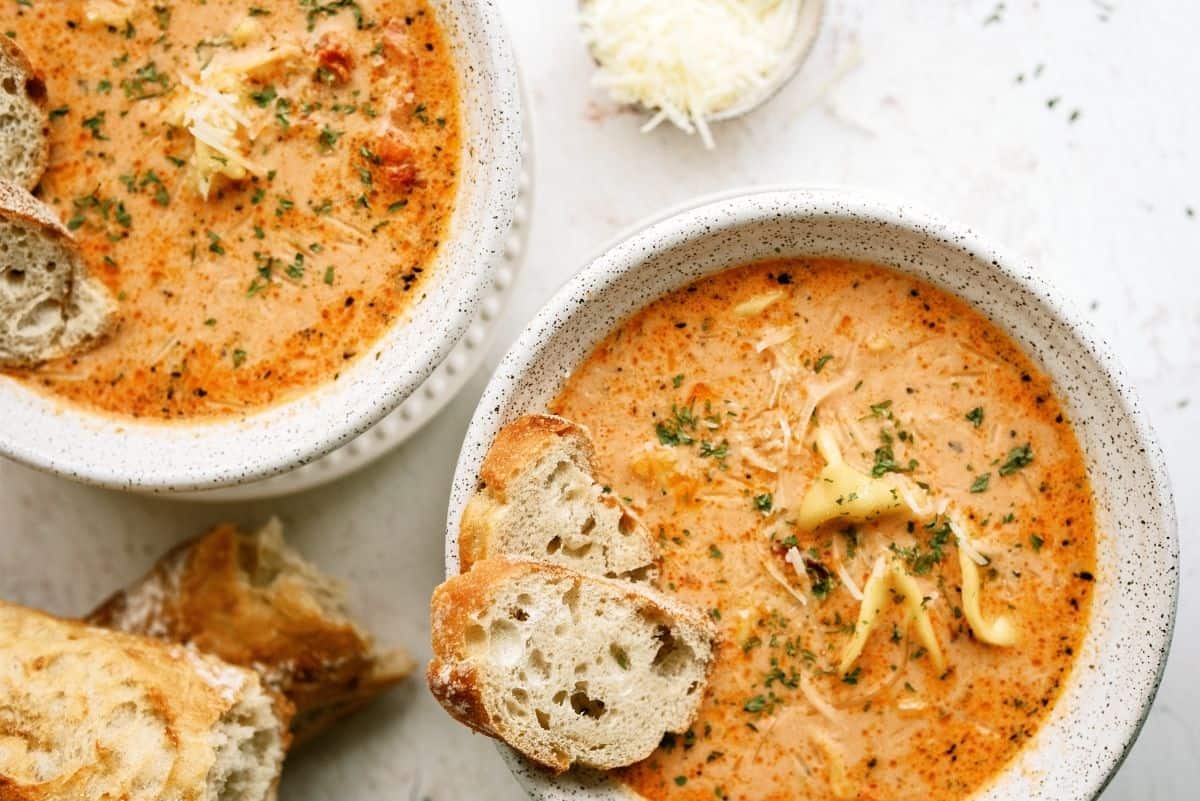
(34, 89)
(17, 204)
(252, 601)
(87, 713)
(518, 445)
(454, 673)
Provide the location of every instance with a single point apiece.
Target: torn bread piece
(49, 306)
(567, 668)
(539, 498)
(253, 601)
(87, 713)
(24, 118)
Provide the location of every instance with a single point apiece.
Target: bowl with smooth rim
(125, 453)
(1086, 736)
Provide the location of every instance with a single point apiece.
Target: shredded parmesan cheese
(687, 60)
(112, 13)
(774, 573)
(216, 113)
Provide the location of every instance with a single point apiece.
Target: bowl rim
(663, 232)
(189, 459)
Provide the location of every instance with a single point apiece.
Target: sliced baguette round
(49, 305)
(92, 714)
(24, 118)
(253, 601)
(539, 498)
(567, 668)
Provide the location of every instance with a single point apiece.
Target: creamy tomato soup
(262, 183)
(877, 498)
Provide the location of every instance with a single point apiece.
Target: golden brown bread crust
(460, 600)
(89, 713)
(524, 440)
(17, 204)
(452, 679)
(35, 90)
(517, 445)
(219, 594)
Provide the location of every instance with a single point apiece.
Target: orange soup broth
(280, 279)
(698, 412)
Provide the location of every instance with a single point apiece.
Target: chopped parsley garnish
(718, 452)
(756, 704)
(851, 535)
(328, 138)
(820, 577)
(330, 8)
(61, 111)
(329, 276)
(881, 409)
(264, 96)
(921, 560)
(674, 431)
(94, 124)
(764, 502)
(214, 244)
(980, 484)
(819, 365)
(1019, 457)
(885, 458)
(715, 552)
(677, 381)
(239, 356)
(1036, 542)
(852, 676)
(976, 416)
(146, 82)
(680, 781)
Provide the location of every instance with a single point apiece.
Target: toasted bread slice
(539, 498)
(568, 668)
(24, 118)
(87, 714)
(49, 305)
(253, 601)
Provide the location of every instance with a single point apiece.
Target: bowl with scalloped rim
(124, 453)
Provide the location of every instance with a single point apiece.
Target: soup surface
(877, 497)
(262, 183)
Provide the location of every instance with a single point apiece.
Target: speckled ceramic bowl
(1109, 694)
(152, 456)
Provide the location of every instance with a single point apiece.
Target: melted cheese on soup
(876, 496)
(263, 184)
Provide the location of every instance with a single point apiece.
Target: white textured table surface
(927, 101)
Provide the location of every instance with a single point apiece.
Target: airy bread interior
(573, 669)
(554, 509)
(23, 119)
(86, 713)
(248, 747)
(49, 306)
